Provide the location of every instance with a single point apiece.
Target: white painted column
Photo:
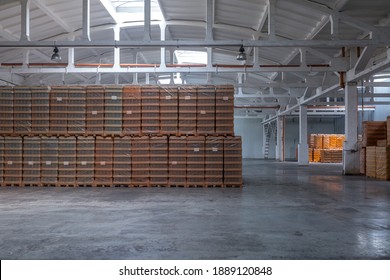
(279, 138)
(25, 20)
(303, 147)
(210, 20)
(147, 17)
(117, 51)
(86, 20)
(163, 28)
(351, 157)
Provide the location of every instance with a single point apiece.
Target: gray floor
(283, 212)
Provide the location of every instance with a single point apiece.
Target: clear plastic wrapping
(22, 110)
(205, 118)
(40, 110)
(49, 160)
(58, 110)
(224, 110)
(150, 109)
(103, 161)
(131, 110)
(232, 161)
(67, 159)
(140, 161)
(76, 110)
(13, 160)
(6, 110)
(195, 160)
(122, 161)
(178, 161)
(159, 161)
(169, 110)
(113, 110)
(382, 163)
(95, 110)
(31, 161)
(214, 161)
(187, 110)
(85, 160)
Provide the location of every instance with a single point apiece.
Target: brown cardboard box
(67, 160)
(382, 163)
(40, 110)
(13, 161)
(6, 110)
(372, 132)
(177, 161)
(31, 161)
(371, 161)
(131, 110)
(95, 110)
(122, 161)
(140, 161)
(195, 160)
(232, 161)
(205, 119)
(187, 110)
(214, 161)
(85, 160)
(22, 110)
(169, 104)
(58, 110)
(76, 110)
(103, 161)
(159, 161)
(150, 110)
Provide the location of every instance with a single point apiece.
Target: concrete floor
(283, 212)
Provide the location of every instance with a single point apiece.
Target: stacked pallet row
(375, 150)
(131, 114)
(112, 135)
(150, 109)
(326, 148)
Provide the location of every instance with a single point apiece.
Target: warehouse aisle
(284, 211)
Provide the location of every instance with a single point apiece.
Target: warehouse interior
(288, 83)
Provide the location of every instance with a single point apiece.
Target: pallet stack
(85, 161)
(95, 110)
(388, 130)
(1, 160)
(76, 110)
(177, 161)
(375, 150)
(113, 135)
(140, 160)
(187, 110)
(22, 110)
(121, 168)
(195, 160)
(67, 161)
(214, 161)
(49, 160)
(31, 161)
(40, 110)
(150, 109)
(158, 161)
(326, 148)
(13, 161)
(224, 110)
(205, 120)
(168, 110)
(6, 110)
(58, 111)
(232, 161)
(113, 110)
(131, 114)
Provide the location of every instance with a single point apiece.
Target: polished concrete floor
(284, 212)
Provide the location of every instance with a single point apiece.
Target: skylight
(133, 10)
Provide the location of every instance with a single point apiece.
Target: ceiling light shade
(56, 56)
(241, 55)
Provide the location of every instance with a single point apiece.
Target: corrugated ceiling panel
(184, 9)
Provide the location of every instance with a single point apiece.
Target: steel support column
(351, 156)
(25, 20)
(303, 147)
(280, 138)
(86, 20)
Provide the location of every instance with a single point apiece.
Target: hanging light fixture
(241, 55)
(56, 56)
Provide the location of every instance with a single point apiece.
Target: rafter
(43, 6)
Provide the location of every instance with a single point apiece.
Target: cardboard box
(371, 161)
(382, 163)
(131, 110)
(6, 110)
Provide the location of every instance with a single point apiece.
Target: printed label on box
(94, 112)
(129, 112)
(66, 163)
(48, 162)
(187, 97)
(174, 162)
(196, 149)
(30, 163)
(202, 112)
(168, 97)
(83, 163)
(114, 97)
(102, 163)
(59, 99)
(215, 149)
(226, 98)
(9, 162)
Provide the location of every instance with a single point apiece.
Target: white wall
(251, 131)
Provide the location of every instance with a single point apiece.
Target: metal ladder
(270, 128)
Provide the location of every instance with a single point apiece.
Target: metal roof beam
(213, 43)
(42, 5)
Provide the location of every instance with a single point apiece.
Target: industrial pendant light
(56, 56)
(241, 55)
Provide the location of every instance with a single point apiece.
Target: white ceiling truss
(298, 50)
